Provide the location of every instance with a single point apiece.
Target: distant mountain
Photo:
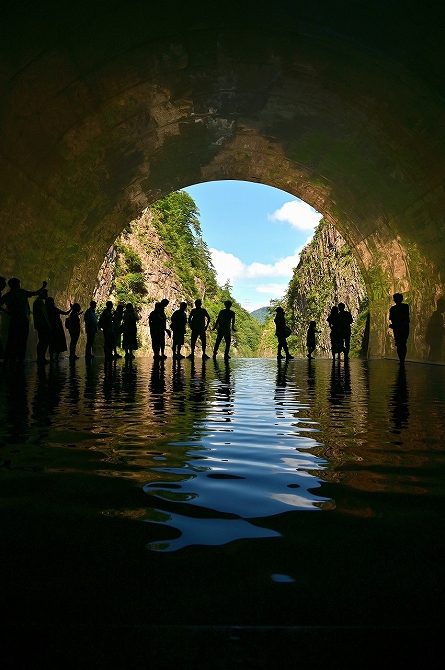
(260, 314)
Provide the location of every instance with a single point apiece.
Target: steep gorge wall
(326, 275)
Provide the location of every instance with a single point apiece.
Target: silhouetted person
(57, 339)
(345, 321)
(435, 332)
(335, 333)
(117, 323)
(198, 320)
(129, 331)
(310, 338)
(178, 325)
(224, 324)
(73, 326)
(282, 332)
(105, 323)
(163, 304)
(399, 318)
(16, 302)
(91, 328)
(157, 323)
(42, 325)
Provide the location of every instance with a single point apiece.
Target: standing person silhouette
(73, 325)
(163, 304)
(105, 323)
(399, 318)
(42, 325)
(335, 334)
(117, 322)
(178, 325)
(224, 324)
(345, 320)
(129, 331)
(16, 302)
(198, 321)
(57, 339)
(282, 331)
(310, 338)
(91, 328)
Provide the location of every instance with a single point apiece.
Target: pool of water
(247, 493)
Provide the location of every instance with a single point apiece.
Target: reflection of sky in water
(208, 532)
(249, 454)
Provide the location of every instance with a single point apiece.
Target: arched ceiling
(105, 108)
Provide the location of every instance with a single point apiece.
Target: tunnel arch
(103, 110)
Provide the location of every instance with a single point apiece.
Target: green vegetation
(172, 224)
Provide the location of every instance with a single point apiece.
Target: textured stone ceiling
(104, 109)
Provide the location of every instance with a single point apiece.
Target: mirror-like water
(248, 492)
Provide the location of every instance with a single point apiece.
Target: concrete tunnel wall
(104, 109)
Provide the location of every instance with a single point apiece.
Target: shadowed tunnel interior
(107, 106)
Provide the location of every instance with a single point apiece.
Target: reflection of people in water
(435, 331)
(399, 405)
(399, 318)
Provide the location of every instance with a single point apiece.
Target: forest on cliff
(162, 254)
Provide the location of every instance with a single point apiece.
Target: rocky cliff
(326, 275)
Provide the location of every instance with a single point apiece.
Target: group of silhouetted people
(198, 320)
(119, 327)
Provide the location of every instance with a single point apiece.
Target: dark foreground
(222, 516)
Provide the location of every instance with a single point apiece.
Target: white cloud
(299, 214)
(228, 266)
(277, 290)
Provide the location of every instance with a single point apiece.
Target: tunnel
(105, 107)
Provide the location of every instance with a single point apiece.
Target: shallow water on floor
(250, 455)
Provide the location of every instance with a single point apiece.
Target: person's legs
(217, 343)
(227, 339)
(193, 338)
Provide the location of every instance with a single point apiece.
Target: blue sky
(255, 234)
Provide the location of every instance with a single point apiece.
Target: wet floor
(212, 494)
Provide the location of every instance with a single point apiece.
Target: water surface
(240, 493)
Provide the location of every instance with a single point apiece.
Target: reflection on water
(213, 453)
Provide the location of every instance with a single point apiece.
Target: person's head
(334, 309)
(341, 306)
(198, 303)
(2, 283)
(183, 306)
(128, 307)
(43, 294)
(164, 302)
(397, 297)
(279, 310)
(440, 304)
(14, 283)
(227, 304)
(312, 324)
(76, 308)
(93, 305)
(120, 307)
(109, 305)
(158, 306)
(49, 300)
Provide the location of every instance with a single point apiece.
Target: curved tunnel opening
(351, 131)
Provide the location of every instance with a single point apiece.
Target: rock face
(159, 277)
(326, 275)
